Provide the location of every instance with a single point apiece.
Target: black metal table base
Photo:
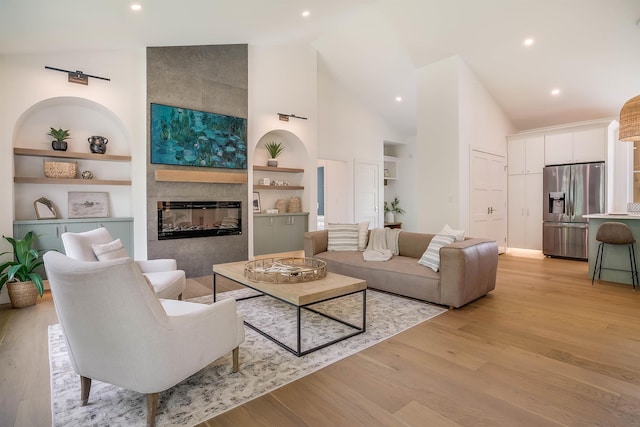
(298, 350)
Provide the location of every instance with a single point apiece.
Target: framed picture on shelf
(88, 204)
(256, 202)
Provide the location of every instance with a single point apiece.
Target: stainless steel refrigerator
(569, 193)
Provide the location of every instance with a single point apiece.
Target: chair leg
(85, 388)
(236, 357)
(599, 254)
(180, 297)
(634, 267)
(152, 409)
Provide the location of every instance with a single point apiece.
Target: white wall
(24, 82)
(455, 112)
(283, 79)
(349, 131)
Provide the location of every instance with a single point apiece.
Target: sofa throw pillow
(343, 237)
(459, 234)
(431, 257)
(363, 235)
(108, 251)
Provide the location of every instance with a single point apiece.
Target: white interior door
(367, 189)
(488, 197)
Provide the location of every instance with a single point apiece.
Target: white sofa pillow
(431, 257)
(459, 234)
(343, 237)
(108, 251)
(363, 235)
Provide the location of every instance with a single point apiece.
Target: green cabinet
(48, 231)
(275, 233)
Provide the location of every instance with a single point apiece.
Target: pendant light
(630, 120)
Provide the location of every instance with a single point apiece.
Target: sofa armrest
(315, 242)
(467, 270)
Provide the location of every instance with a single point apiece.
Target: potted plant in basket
(60, 135)
(274, 149)
(23, 282)
(392, 208)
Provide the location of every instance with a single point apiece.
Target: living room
(281, 78)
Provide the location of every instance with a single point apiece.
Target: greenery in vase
(59, 134)
(274, 148)
(393, 206)
(26, 260)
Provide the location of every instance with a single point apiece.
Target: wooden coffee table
(300, 295)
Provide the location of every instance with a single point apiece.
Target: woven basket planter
(65, 170)
(22, 294)
(295, 205)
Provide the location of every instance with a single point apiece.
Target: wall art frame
(88, 204)
(256, 202)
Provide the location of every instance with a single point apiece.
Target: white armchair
(117, 331)
(166, 279)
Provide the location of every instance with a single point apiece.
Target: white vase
(390, 217)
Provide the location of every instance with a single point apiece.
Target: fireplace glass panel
(183, 220)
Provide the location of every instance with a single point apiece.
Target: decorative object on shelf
(86, 175)
(274, 149)
(256, 201)
(392, 208)
(386, 173)
(271, 211)
(23, 282)
(65, 170)
(295, 205)
(265, 181)
(77, 76)
(88, 204)
(60, 135)
(281, 205)
(45, 209)
(630, 120)
(98, 144)
(285, 270)
(285, 117)
(180, 136)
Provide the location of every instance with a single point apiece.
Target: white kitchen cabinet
(525, 211)
(577, 146)
(525, 154)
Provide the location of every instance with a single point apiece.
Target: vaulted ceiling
(588, 49)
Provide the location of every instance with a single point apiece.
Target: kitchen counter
(616, 258)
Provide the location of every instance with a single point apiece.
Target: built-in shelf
(278, 187)
(69, 155)
(277, 169)
(211, 177)
(70, 181)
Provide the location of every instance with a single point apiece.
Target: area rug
(264, 366)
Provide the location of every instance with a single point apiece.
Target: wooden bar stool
(616, 233)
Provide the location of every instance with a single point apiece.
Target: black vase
(59, 145)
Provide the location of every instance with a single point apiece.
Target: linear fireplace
(183, 220)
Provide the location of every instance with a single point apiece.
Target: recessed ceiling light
(555, 92)
(398, 99)
(306, 13)
(136, 6)
(528, 42)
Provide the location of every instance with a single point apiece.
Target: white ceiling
(589, 49)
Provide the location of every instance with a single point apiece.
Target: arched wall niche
(295, 155)
(83, 118)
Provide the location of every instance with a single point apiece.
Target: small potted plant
(23, 282)
(274, 149)
(60, 135)
(392, 208)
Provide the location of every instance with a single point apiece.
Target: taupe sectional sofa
(467, 268)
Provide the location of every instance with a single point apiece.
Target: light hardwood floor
(544, 348)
